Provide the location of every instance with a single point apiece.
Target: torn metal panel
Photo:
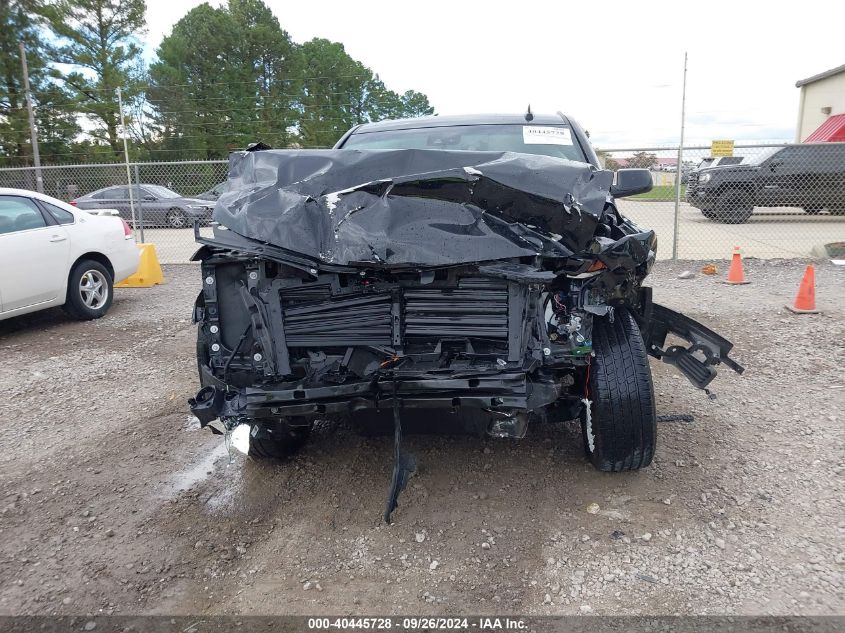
(395, 208)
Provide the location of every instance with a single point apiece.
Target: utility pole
(33, 134)
(679, 171)
(126, 158)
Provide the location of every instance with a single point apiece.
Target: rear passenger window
(105, 194)
(19, 214)
(61, 216)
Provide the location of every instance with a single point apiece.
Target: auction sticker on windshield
(541, 135)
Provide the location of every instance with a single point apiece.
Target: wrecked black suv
(450, 272)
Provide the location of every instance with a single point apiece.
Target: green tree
(642, 160)
(97, 38)
(382, 103)
(267, 64)
(56, 124)
(607, 160)
(335, 91)
(225, 77)
(339, 92)
(415, 104)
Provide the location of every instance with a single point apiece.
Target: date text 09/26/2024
(410, 623)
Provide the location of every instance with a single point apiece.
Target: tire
(837, 211)
(620, 426)
(710, 214)
(813, 210)
(734, 206)
(176, 219)
(277, 440)
(90, 290)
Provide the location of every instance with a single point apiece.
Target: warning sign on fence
(722, 148)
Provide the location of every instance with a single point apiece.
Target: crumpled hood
(419, 207)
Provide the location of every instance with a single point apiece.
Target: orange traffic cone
(805, 300)
(736, 275)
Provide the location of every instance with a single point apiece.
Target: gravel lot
(114, 501)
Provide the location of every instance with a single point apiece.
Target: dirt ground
(114, 501)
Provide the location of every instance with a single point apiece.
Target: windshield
(161, 192)
(546, 140)
(764, 154)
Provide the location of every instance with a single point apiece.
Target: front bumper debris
(697, 361)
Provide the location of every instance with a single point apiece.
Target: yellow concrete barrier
(149, 270)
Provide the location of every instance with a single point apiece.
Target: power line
(152, 102)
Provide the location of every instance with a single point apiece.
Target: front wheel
(277, 439)
(89, 290)
(176, 219)
(734, 206)
(619, 424)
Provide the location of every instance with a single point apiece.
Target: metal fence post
(33, 132)
(140, 203)
(679, 169)
(126, 155)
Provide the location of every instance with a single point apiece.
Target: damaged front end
(473, 289)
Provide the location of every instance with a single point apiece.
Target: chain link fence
(164, 198)
(774, 201)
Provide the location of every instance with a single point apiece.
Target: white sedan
(52, 254)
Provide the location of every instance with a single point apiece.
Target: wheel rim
(176, 218)
(93, 289)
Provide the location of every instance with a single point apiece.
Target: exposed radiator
(476, 309)
(362, 320)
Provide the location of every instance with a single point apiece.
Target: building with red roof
(821, 107)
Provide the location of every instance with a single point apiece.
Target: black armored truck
(453, 272)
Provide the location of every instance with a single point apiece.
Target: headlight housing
(705, 178)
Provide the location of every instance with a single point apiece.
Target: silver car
(154, 205)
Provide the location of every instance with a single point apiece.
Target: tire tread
(623, 410)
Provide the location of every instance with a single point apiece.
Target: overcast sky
(617, 67)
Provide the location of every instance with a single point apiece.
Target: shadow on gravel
(36, 323)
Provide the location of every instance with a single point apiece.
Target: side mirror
(775, 164)
(149, 198)
(630, 182)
